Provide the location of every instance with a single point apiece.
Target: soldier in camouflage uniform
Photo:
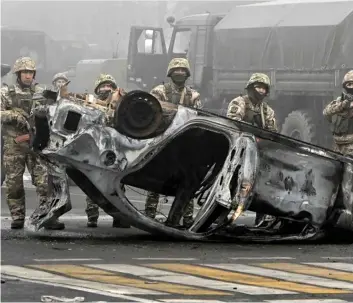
(16, 105)
(252, 109)
(175, 92)
(104, 86)
(59, 80)
(340, 114)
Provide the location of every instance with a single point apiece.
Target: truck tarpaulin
(286, 35)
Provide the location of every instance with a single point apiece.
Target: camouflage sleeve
(158, 92)
(5, 98)
(336, 107)
(195, 99)
(270, 120)
(236, 109)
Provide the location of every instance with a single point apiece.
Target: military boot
(120, 224)
(92, 223)
(17, 224)
(56, 225)
(188, 221)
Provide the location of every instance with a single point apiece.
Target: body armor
(341, 125)
(23, 100)
(257, 116)
(176, 97)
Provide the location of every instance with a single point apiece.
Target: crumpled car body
(228, 166)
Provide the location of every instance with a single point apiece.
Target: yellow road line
(311, 270)
(248, 279)
(91, 274)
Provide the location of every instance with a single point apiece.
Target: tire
(300, 125)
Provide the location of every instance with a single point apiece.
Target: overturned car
(229, 167)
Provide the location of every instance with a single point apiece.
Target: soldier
(175, 92)
(340, 114)
(59, 80)
(16, 105)
(104, 86)
(252, 109)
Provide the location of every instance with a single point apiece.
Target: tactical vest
(23, 100)
(254, 117)
(175, 97)
(342, 125)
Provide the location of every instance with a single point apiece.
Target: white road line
(278, 274)
(339, 266)
(308, 301)
(166, 259)
(338, 258)
(65, 260)
(43, 277)
(166, 276)
(262, 258)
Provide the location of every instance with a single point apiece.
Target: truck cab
(192, 38)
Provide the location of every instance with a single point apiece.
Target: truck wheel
(299, 125)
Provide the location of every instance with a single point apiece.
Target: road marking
(166, 259)
(315, 271)
(64, 260)
(161, 275)
(338, 258)
(339, 266)
(91, 274)
(262, 258)
(308, 301)
(331, 286)
(39, 276)
(251, 279)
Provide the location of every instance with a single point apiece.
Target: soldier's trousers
(92, 210)
(152, 204)
(16, 157)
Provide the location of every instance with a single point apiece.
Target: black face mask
(179, 79)
(254, 95)
(104, 94)
(349, 90)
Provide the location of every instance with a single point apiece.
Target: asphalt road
(128, 265)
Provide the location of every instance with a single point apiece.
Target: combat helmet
(259, 78)
(104, 78)
(24, 63)
(178, 63)
(59, 76)
(347, 78)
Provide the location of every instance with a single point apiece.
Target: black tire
(300, 125)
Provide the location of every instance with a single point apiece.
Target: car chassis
(229, 166)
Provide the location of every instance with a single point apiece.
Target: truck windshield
(182, 41)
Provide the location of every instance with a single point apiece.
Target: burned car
(228, 166)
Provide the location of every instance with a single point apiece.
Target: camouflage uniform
(177, 93)
(16, 105)
(59, 79)
(250, 108)
(339, 113)
(257, 113)
(92, 209)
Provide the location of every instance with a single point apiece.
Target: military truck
(305, 48)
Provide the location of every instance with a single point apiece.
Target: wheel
(299, 125)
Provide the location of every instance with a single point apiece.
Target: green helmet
(259, 78)
(59, 76)
(24, 63)
(347, 78)
(104, 78)
(178, 63)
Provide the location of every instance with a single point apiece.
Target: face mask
(104, 94)
(178, 78)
